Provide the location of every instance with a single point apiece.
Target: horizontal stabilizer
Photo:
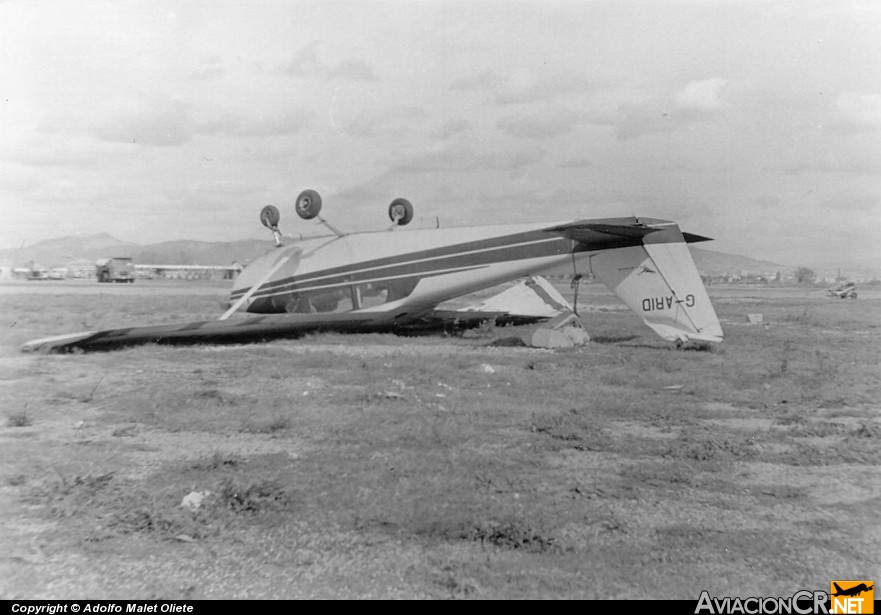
(593, 232)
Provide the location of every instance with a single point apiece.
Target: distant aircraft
(844, 291)
(393, 280)
(856, 590)
(226, 272)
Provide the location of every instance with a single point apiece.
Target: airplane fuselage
(403, 270)
(403, 274)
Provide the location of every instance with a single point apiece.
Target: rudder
(660, 283)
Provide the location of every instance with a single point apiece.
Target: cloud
(291, 122)
(209, 73)
(534, 88)
(696, 102)
(17, 179)
(541, 125)
(444, 160)
(575, 163)
(857, 112)
(354, 70)
(145, 119)
(485, 81)
(767, 202)
(544, 200)
(834, 165)
(703, 95)
(525, 86)
(306, 63)
(524, 158)
(367, 196)
(457, 160)
(854, 203)
(81, 151)
(211, 69)
(393, 121)
(450, 128)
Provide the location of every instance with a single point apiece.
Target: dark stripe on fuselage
(401, 272)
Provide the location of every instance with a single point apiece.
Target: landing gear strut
(270, 217)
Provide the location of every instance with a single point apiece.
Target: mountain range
(86, 249)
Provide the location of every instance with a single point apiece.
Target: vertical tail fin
(659, 281)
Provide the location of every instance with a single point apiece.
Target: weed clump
(217, 461)
(18, 419)
(571, 429)
(256, 497)
(510, 535)
(273, 425)
(695, 447)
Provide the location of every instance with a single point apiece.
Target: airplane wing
(526, 302)
(647, 264)
(240, 330)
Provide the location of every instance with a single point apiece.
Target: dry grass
(378, 466)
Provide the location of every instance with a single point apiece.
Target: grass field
(375, 466)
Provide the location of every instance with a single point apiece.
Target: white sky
(754, 122)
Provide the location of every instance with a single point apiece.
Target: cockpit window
(377, 293)
(346, 298)
(319, 302)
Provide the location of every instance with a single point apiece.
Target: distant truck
(116, 269)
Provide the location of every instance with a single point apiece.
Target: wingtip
(55, 343)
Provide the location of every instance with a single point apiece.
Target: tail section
(659, 281)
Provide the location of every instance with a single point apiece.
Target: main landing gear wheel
(269, 216)
(400, 211)
(308, 204)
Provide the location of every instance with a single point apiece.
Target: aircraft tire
(269, 216)
(308, 204)
(400, 211)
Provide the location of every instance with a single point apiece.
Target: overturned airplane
(394, 280)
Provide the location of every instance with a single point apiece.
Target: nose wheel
(270, 217)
